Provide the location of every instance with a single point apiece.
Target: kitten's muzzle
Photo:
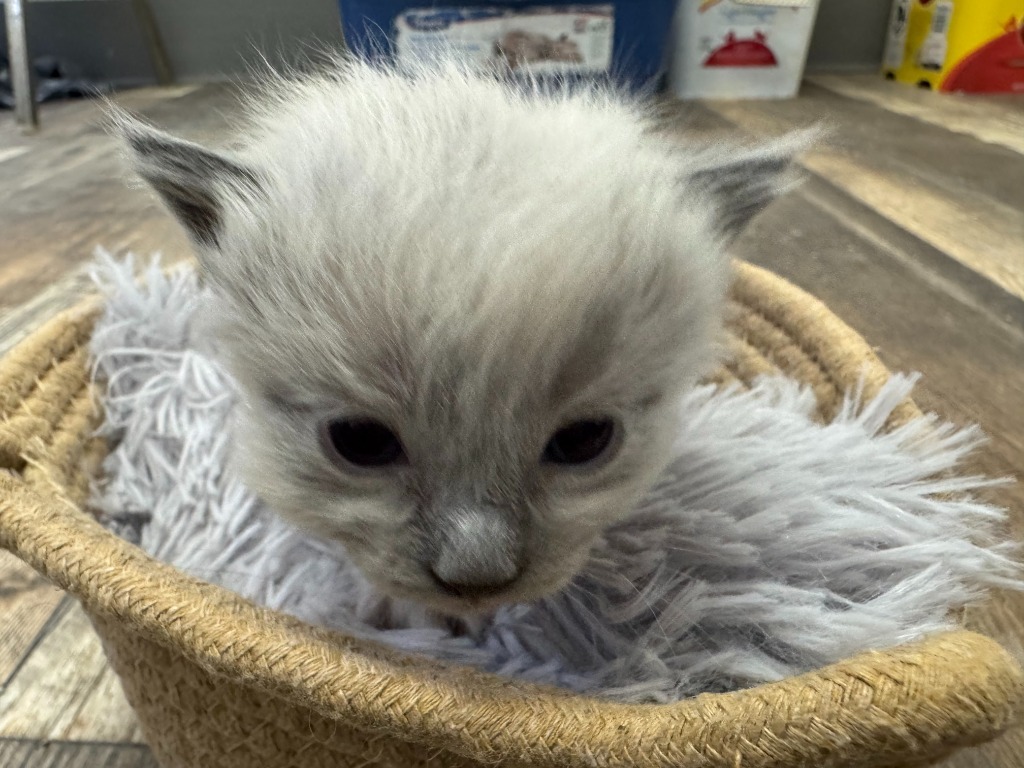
(477, 552)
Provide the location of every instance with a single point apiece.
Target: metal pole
(157, 53)
(22, 80)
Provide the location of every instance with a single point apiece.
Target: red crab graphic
(737, 52)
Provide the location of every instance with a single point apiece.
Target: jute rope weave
(218, 682)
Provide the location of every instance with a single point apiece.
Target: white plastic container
(740, 49)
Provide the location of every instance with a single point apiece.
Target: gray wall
(849, 36)
(204, 39)
(214, 39)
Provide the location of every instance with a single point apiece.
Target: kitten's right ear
(195, 183)
(743, 181)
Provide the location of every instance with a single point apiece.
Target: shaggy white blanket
(773, 546)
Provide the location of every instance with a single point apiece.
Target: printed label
(545, 39)
(896, 42)
(932, 54)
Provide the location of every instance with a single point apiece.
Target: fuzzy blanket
(774, 544)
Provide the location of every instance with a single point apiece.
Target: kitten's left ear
(196, 184)
(743, 181)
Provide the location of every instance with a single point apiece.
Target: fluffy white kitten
(461, 312)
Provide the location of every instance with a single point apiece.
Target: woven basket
(218, 682)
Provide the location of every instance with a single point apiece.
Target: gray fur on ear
(746, 179)
(193, 181)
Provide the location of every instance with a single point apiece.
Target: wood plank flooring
(910, 226)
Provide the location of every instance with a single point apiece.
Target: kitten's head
(461, 315)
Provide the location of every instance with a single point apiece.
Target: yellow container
(957, 45)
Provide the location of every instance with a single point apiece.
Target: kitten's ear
(195, 183)
(744, 181)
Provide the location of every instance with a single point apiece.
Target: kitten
(461, 313)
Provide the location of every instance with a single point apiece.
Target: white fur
(473, 264)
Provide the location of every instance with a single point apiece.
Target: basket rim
(914, 692)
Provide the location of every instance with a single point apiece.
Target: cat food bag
(575, 39)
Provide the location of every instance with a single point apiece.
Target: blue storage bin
(640, 35)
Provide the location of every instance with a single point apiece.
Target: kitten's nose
(477, 585)
(478, 553)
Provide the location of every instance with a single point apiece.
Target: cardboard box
(740, 49)
(975, 46)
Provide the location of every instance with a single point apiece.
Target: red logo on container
(996, 67)
(742, 52)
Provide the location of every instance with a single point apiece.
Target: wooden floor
(911, 227)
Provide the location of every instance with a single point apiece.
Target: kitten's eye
(362, 442)
(580, 442)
